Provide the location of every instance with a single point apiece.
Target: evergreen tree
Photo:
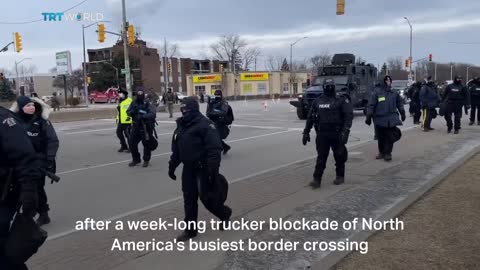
(285, 66)
(6, 93)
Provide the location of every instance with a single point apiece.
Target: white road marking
(258, 127)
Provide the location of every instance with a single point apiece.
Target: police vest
(456, 92)
(475, 90)
(329, 113)
(122, 117)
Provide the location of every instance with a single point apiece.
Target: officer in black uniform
(430, 100)
(455, 97)
(475, 100)
(415, 103)
(332, 118)
(197, 145)
(221, 114)
(35, 113)
(143, 114)
(18, 159)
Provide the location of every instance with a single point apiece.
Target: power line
(465, 43)
(40, 20)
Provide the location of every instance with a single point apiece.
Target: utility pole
(411, 43)
(165, 66)
(125, 50)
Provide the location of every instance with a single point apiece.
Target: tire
(302, 115)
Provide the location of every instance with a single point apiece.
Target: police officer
(169, 99)
(415, 104)
(384, 106)
(430, 100)
(332, 118)
(34, 114)
(124, 122)
(143, 115)
(17, 159)
(221, 114)
(455, 97)
(197, 145)
(475, 100)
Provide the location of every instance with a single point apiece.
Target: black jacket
(429, 97)
(456, 94)
(196, 142)
(17, 153)
(40, 130)
(142, 112)
(384, 106)
(330, 114)
(474, 90)
(220, 112)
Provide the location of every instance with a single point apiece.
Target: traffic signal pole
(125, 51)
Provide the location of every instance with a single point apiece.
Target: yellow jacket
(122, 117)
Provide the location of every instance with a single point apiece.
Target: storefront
(254, 84)
(206, 84)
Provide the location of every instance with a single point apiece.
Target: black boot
(339, 180)
(122, 149)
(145, 164)
(456, 131)
(133, 163)
(43, 219)
(388, 157)
(380, 156)
(316, 183)
(186, 235)
(449, 131)
(227, 219)
(471, 123)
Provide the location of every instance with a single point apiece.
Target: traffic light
(101, 32)
(430, 57)
(170, 67)
(407, 63)
(340, 7)
(18, 42)
(221, 67)
(89, 79)
(131, 34)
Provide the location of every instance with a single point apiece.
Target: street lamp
(411, 40)
(85, 88)
(16, 71)
(291, 61)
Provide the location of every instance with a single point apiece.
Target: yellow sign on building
(254, 76)
(207, 78)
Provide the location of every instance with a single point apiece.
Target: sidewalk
(374, 189)
(442, 229)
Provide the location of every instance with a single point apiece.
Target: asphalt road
(97, 183)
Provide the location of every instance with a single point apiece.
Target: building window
(286, 89)
(199, 89)
(247, 89)
(262, 89)
(295, 88)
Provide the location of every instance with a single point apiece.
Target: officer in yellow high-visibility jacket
(124, 122)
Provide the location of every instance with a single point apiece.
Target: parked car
(401, 86)
(180, 95)
(109, 96)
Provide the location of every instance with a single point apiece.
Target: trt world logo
(72, 17)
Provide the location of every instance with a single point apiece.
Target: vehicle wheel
(302, 115)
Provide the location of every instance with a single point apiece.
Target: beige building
(248, 83)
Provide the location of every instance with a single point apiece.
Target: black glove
(306, 138)
(368, 121)
(51, 166)
(29, 200)
(171, 171)
(344, 134)
(403, 117)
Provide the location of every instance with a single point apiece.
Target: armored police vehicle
(356, 80)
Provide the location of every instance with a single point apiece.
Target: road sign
(124, 71)
(64, 63)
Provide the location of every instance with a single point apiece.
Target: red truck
(109, 96)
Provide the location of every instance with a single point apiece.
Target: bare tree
(395, 63)
(173, 50)
(229, 48)
(249, 57)
(274, 63)
(320, 60)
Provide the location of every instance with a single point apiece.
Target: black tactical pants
(191, 193)
(325, 142)
(428, 115)
(7, 211)
(137, 135)
(385, 140)
(456, 110)
(415, 109)
(475, 110)
(123, 134)
(43, 206)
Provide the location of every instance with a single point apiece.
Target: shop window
(199, 89)
(262, 89)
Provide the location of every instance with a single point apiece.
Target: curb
(333, 258)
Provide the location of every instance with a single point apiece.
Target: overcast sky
(374, 29)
